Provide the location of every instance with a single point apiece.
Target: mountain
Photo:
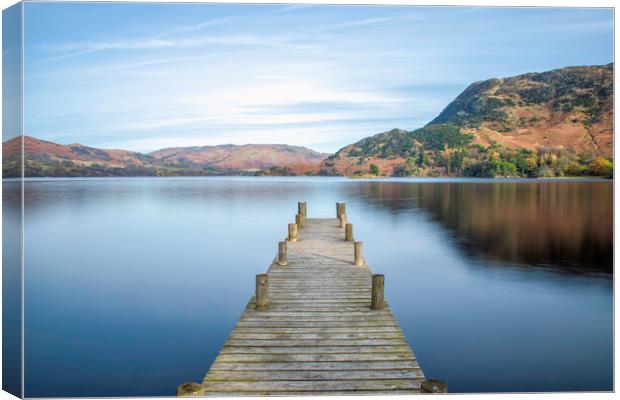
(555, 123)
(43, 158)
(249, 157)
(389, 152)
(568, 107)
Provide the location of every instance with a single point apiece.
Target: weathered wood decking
(318, 335)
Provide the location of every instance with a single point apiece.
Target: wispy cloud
(75, 49)
(578, 27)
(155, 41)
(292, 8)
(158, 41)
(367, 22)
(243, 40)
(96, 46)
(197, 27)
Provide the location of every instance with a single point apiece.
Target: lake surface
(133, 285)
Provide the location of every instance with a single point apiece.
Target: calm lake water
(133, 285)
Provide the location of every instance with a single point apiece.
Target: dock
(318, 324)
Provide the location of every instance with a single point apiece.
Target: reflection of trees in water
(552, 223)
(11, 196)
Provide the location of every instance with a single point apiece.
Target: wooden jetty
(317, 325)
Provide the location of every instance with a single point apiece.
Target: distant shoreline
(310, 177)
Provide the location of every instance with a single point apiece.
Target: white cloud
(150, 44)
(366, 22)
(70, 50)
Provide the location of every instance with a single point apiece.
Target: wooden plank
(263, 365)
(278, 303)
(316, 300)
(212, 393)
(318, 334)
(314, 342)
(289, 293)
(356, 313)
(311, 375)
(316, 324)
(267, 358)
(313, 329)
(294, 318)
(318, 349)
(320, 287)
(322, 275)
(306, 310)
(314, 386)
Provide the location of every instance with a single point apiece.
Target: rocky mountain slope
(555, 123)
(43, 158)
(390, 151)
(568, 107)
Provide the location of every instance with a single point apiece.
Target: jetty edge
(318, 324)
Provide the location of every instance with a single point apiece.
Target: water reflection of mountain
(565, 224)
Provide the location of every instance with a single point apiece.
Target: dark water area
(133, 285)
(11, 288)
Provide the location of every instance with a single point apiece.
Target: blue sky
(146, 76)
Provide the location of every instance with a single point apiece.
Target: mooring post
(343, 220)
(302, 209)
(340, 209)
(348, 232)
(262, 291)
(376, 299)
(357, 251)
(298, 220)
(282, 257)
(433, 386)
(292, 232)
(190, 389)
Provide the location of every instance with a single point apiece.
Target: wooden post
(282, 256)
(292, 232)
(298, 220)
(348, 232)
(262, 291)
(358, 258)
(433, 386)
(376, 300)
(190, 389)
(340, 209)
(343, 220)
(302, 209)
